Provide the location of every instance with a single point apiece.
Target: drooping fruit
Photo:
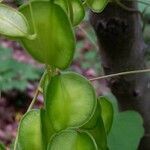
(72, 140)
(70, 101)
(54, 43)
(30, 135)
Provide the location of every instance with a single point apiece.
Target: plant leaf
(126, 132)
(12, 22)
(2, 146)
(72, 140)
(70, 101)
(12, 72)
(55, 42)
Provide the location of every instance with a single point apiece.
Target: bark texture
(122, 48)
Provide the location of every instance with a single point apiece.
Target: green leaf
(30, 135)
(55, 42)
(12, 22)
(12, 72)
(74, 9)
(106, 112)
(97, 5)
(2, 146)
(5, 53)
(126, 132)
(70, 101)
(72, 140)
(145, 10)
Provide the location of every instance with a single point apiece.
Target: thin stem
(126, 7)
(142, 2)
(50, 70)
(144, 20)
(70, 10)
(121, 74)
(88, 36)
(32, 103)
(16, 141)
(34, 99)
(32, 17)
(144, 11)
(38, 90)
(84, 2)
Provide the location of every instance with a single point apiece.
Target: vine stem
(32, 17)
(120, 74)
(34, 99)
(70, 10)
(38, 90)
(84, 2)
(32, 103)
(142, 2)
(126, 7)
(88, 36)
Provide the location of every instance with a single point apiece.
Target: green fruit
(107, 112)
(46, 127)
(30, 135)
(96, 128)
(74, 9)
(70, 101)
(97, 5)
(78, 11)
(72, 140)
(93, 121)
(63, 4)
(12, 22)
(54, 43)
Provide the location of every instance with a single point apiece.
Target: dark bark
(122, 48)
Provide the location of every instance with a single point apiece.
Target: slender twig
(88, 36)
(144, 20)
(70, 10)
(34, 34)
(126, 7)
(32, 17)
(50, 71)
(140, 1)
(16, 141)
(84, 2)
(120, 74)
(34, 99)
(38, 90)
(32, 103)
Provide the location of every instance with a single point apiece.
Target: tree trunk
(122, 48)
